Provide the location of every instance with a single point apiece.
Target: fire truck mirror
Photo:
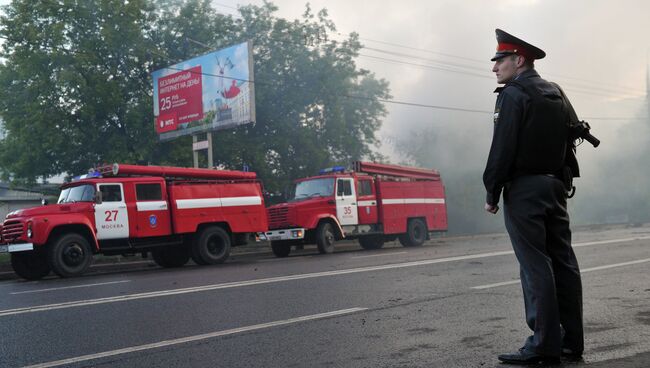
(44, 201)
(98, 197)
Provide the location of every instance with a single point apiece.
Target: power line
(620, 89)
(397, 102)
(425, 66)
(583, 90)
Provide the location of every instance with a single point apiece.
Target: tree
(78, 82)
(314, 107)
(80, 87)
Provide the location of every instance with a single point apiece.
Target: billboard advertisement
(207, 93)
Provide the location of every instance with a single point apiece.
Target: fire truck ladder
(173, 172)
(396, 171)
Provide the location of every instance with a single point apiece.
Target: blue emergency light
(333, 169)
(91, 174)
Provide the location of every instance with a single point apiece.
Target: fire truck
(173, 213)
(373, 203)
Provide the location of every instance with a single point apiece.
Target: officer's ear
(520, 62)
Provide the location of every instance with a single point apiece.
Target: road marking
(69, 287)
(188, 339)
(380, 255)
(120, 264)
(235, 284)
(517, 281)
(599, 242)
(283, 259)
(155, 294)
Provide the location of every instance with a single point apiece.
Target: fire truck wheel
(371, 241)
(325, 238)
(416, 234)
(30, 265)
(196, 257)
(171, 257)
(280, 248)
(70, 255)
(213, 245)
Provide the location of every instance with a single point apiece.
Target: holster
(567, 179)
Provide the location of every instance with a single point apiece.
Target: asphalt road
(454, 302)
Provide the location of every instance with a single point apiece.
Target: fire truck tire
(70, 255)
(325, 238)
(213, 245)
(371, 241)
(196, 257)
(30, 265)
(171, 257)
(280, 248)
(416, 233)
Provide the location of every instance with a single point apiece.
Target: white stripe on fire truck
(413, 201)
(367, 203)
(184, 204)
(151, 206)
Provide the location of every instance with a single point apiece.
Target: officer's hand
(491, 209)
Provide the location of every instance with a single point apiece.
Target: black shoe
(523, 357)
(571, 356)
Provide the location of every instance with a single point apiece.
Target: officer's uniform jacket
(522, 144)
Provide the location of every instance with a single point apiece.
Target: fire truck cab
(174, 213)
(372, 203)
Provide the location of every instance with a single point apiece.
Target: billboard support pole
(195, 153)
(210, 161)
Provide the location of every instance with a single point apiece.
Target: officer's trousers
(538, 224)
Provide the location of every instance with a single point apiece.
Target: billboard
(207, 93)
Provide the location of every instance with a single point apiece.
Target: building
(12, 199)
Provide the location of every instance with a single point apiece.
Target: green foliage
(79, 87)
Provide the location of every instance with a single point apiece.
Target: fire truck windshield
(311, 188)
(80, 193)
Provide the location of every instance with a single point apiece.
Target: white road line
(481, 287)
(155, 294)
(120, 264)
(488, 286)
(616, 265)
(69, 287)
(283, 259)
(379, 255)
(188, 339)
(620, 240)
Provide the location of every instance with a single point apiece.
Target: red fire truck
(174, 213)
(372, 203)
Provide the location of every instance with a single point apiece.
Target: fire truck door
(367, 202)
(346, 202)
(111, 217)
(152, 210)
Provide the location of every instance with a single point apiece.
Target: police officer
(529, 156)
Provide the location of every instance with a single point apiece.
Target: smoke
(615, 178)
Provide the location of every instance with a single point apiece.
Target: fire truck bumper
(10, 248)
(285, 234)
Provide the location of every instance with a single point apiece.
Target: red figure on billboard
(232, 92)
